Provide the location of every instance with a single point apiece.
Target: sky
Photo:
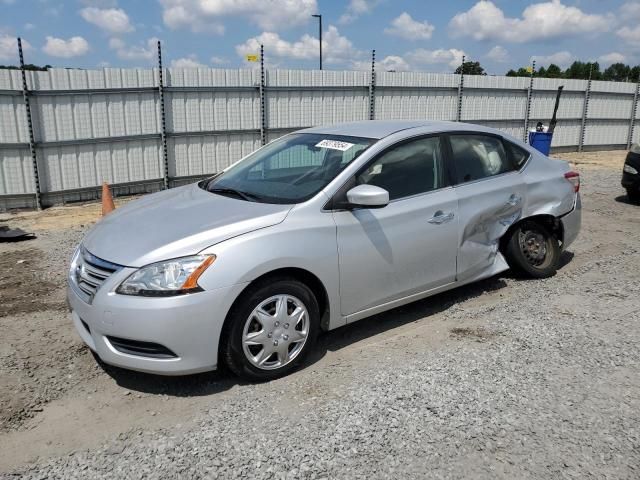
(416, 35)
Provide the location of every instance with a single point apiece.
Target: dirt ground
(56, 398)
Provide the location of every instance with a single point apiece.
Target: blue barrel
(541, 141)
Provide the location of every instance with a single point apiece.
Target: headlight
(630, 169)
(168, 278)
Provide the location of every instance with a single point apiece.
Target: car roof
(382, 128)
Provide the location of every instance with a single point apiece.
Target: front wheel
(270, 330)
(533, 251)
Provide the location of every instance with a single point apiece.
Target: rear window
(516, 154)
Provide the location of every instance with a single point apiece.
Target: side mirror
(368, 196)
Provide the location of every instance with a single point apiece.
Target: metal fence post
(585, 111)
(460, 91)
(263, 113)
(163, 122)
(32, 141)
(372, 87)
(634, 111)
(529, 97)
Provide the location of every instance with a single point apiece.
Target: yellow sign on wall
(252, 57)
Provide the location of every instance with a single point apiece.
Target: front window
(289, 170)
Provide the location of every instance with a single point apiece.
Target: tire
(255, 326)
(634, 195)
(532, 250)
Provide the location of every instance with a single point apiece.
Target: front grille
(141, 349)
(90, 273)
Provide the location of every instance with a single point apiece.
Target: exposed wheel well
(549, 221)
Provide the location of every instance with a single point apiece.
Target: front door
(407, 247)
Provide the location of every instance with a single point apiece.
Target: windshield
(291, 169)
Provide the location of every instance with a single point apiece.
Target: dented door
(487, 208)
(491, 195)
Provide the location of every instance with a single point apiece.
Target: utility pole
(319, 17)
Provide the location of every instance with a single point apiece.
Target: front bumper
(571, 223)
(188, 325)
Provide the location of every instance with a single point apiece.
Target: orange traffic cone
(107, 200)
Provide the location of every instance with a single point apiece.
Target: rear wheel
(270, 329)
(533, 251)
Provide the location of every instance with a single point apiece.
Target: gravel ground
(505, 378)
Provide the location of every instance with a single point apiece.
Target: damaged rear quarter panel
(547, 191)
(488, 207)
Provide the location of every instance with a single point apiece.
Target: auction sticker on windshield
(335, 145)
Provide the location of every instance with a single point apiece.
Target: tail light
(574, 178)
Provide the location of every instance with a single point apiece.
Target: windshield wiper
(238, 193)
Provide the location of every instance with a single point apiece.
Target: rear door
(408, 246)
(490, 193)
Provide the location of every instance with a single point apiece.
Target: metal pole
(319, 17)
(163, 124)
(634, 111)
(372, 87)
(585, 111)
(460, 91)
(32, 141)
(529, 97)
(263, 115)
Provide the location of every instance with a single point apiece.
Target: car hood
(175, 223)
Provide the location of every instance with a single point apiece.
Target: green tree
(521, 72)
(634, 74)
(471, 68)
(580, 70)
(617, 72)
(27, 66)
(542, 72)
(554, 71)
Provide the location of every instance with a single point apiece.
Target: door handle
(514, 200)
(441, 217)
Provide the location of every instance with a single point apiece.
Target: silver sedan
(317, 229)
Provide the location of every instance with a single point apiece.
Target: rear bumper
(571, 223)
(189, 326)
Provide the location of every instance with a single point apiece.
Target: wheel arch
(302, 275)
(554, 224)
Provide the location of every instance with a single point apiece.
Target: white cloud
(9, 47)
(451, 57)
(498, 54)
(335, 47)
(357, 8)
(630, 35)
(190, 61)
(59, 47)
(394, 63)
(611, 58)
(112, 20)
(485, 21)
(406, 27)
(630, 11)
(146, 51)
(99, 3)
(29, 26)
(206, 15)
(219, 60)
(562, 59)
